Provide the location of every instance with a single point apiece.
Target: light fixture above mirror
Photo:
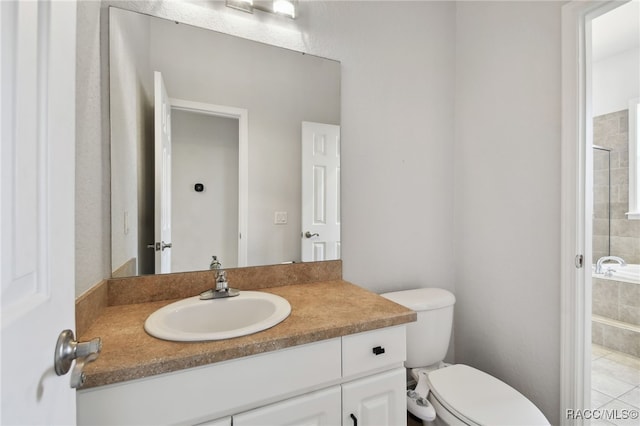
(287, 8)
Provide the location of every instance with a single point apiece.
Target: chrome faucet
(600, 263)
(222, 289)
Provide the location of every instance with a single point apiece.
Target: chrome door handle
(68, 350)
(159, 246)
(308, 234)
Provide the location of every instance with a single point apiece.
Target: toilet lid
(478, 398)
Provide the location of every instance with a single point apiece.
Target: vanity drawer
(373, 350)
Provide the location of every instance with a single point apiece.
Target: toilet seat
(480, 399)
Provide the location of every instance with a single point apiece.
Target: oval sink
(192, 319)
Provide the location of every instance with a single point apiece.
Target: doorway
(577, 209)
(204, 190)
(612, 76)
(213, 185)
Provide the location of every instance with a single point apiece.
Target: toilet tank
(428, 337)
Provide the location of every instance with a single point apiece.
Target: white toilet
(453, 394)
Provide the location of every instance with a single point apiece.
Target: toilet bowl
(463, 395)
(453, 394)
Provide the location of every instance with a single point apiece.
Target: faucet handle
(215, 263)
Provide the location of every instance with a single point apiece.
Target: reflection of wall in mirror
(131, 101)
(205, 150)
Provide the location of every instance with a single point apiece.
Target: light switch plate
(280, 218)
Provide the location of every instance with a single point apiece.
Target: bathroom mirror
(234, 114)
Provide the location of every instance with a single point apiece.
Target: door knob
(68, 350)
(308, 234)
(166, 245)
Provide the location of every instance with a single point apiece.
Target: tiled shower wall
(612, 131)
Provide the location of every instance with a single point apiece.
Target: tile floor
(615, 384)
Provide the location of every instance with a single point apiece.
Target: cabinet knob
(378, 350)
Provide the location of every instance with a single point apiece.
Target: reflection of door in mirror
(162, 167)
(320, 192)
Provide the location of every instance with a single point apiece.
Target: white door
(162, 134)
(320, 191)
(321, 408)
(376, 400)
(37, 164)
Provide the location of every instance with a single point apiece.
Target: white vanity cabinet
(321, 383)
(379, 399)
(320, 408)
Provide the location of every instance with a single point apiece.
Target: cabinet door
(321, 408)
(378, 400)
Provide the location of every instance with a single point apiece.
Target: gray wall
(93, 179)
(451, 162)
(131, 155)
(204, 150)
(507, 195)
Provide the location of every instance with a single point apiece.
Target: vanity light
(244, 5)
(285, 7)
(280, 7)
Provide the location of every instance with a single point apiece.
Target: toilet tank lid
(422, 299)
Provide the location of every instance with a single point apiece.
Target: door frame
(576, 208)
(242, 115)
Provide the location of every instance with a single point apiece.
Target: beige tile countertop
(319, 310)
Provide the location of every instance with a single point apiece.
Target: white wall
(507, 195)
(204, 150)
(615, 81)
(93, 225)
(615, 50)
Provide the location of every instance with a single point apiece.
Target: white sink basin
(192, 319)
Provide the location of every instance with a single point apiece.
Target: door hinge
(579, 261)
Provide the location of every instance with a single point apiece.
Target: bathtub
(629, 273)
(616, 309)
